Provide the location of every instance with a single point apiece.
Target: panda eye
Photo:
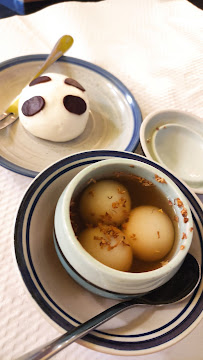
(33, 105)
(74, 104)
(74, 83)
(39, 80)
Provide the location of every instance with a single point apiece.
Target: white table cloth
(155, 48)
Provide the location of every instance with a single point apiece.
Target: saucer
(137, 331)
(175, 140)
(113, 123)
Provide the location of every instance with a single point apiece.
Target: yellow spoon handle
(62, 45)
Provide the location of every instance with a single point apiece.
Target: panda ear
(39, 80)
(75, 104)
(74, 83)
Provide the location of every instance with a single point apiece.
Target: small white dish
(175, 139)
(113, 123)
(137, 331)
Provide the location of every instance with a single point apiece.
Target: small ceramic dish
(84, 268)
(62, 301)
(175, 139)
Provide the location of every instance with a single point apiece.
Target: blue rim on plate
(133, 344)
(134, 141)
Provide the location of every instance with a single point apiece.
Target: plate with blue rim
(137, 331)
(114, 119)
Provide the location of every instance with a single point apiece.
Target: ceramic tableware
(62, 300)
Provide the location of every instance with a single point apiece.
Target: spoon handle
(47, 351)
(62, 45)
(181, 285)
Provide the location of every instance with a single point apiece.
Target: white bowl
(88, 271)
(174, 138)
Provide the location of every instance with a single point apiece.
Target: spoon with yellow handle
(62, 45)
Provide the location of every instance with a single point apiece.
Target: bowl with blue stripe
(64, 302)
(111, 281)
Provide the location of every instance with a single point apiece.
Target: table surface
(155, 48)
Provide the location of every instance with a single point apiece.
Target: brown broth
(140, 195)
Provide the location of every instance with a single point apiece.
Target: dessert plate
(137, 331)
(114, 120)
(175, 139)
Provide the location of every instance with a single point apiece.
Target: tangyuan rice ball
(108, 245)
(150, 232)
(105, 201)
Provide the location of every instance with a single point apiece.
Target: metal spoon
(178, 288)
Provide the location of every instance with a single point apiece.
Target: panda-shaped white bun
(54, 107)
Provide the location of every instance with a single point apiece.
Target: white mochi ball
(54, 107)
(106, 201)
(150, 232)
(108, 245)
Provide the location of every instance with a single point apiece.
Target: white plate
(114, 120)
(137, 331)
(175, 139)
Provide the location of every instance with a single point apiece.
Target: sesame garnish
(148, 140)
(179, 202)
(184, 236)
(164, 262)
(100, 238)
(106, 217)
(121, 191)
(160, 180)
(91, 181)
(124, 226)
(120, 203)
(184, 212)
(109, 197)
(140, 179)
(110, 232)
(158, 233)
(161, 211)
(115, 205)
(145, 182)
(133, 236)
